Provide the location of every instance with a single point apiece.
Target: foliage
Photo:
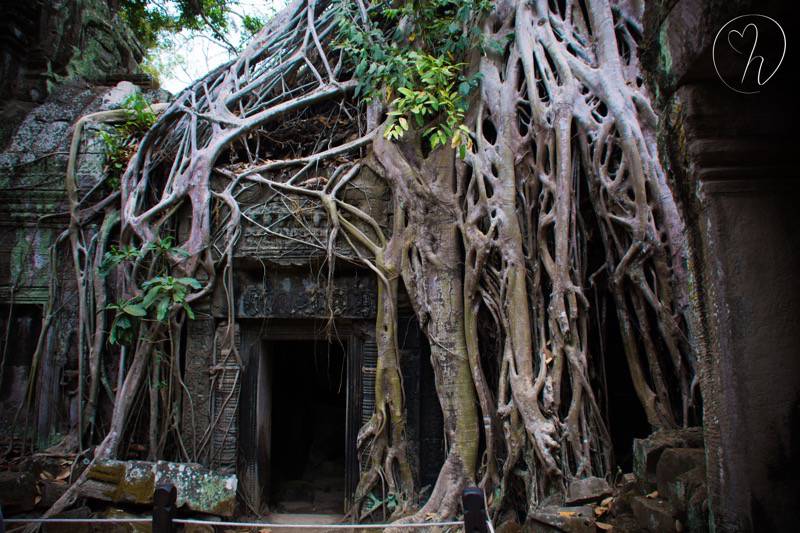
(412, 56)
(163, 291)
(160, 292)
(150, 18)
(120, 143)
(373, 502)
(122, 329)
(118, 255)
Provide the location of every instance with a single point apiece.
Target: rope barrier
(195, 521)
(318, 526)
(78, 520)
(164, 520)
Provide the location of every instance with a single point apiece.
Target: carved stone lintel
(297, 296)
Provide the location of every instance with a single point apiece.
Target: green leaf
(193, 283)
(189, 311)
(162, 309)
(135, 310)
(150, 297)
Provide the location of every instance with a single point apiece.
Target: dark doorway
(308, 426)
(626, 416)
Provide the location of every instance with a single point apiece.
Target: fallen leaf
(604, 526)
(607, 502)
(265, 530)
(64, 474)
(45, 475)
(653, 494)
(566, 513)
(600, 510)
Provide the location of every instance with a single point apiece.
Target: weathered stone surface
(17, 491)
(626, 490)
(688, 495)
(654, 514)
(114, 98)
(678, 471)
(587, 490)
(569, 519)
(647, 452)
(50, 491)
(697, 510)
(198, 528)
(121, 527)
(199, 489)
(508, 525)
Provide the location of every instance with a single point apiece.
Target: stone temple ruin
(282, 306)
(732, 166)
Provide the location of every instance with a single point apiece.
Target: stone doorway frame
(256, 334)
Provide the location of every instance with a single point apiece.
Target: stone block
(198, 528)
(120, 527)
(17, 492)
(568, 519)
(697, 511)
(508, 525)
(654, 514)
(647, 452)
(116, 96)
(51, 491)
(77, 512)
(681, 490)
(674, 462)
(587, 490)
(199, 489)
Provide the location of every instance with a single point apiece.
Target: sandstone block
(569, 519)
(647, 452)
(674, 462)
(587, 490)
(654, 514)
(199, 489)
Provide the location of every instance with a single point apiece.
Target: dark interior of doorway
(309, 405)
(626, 417)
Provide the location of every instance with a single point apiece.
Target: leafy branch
(160, 293)
(121, 141)
(412, 57)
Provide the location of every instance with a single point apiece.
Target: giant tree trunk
(428, 238)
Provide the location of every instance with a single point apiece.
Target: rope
(316, 526)
(78, 520)
(224, 523)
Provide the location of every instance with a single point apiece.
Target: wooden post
(164, 508)
(475, 517)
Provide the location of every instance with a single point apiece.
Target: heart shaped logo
(751, 53)
(736, 36)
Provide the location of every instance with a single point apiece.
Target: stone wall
(46, 42)
(731, 161)
(33, 214)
